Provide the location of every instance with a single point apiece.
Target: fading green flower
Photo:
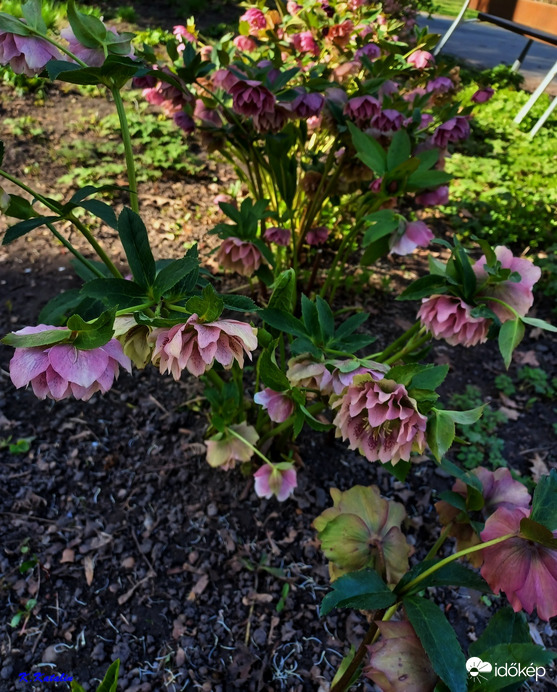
(363, 530)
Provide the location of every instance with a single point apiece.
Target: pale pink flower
(305, 43)
(341, 377)
(182, 34)
(379, 419)
(278, 236)
(303, 372)
(224, 449)
(293, 7)
(387, 121)
(250, 97)
(355, 4)
(279, 480)
(449, 318)
(398, 662)
(245, 43)
(225, 79)
(441, 85)
(317, 235)
(361, 109)
(345, 70)
(518, 294)
(195, 346)
(421, 59)
(483, 95)
(431, 198)
(94, 57)
(278, 405)
(454, 130)
(62, 370)
(416, 234)
(239, 256)
(255, 18)
(26, 54)
(370, 50)
(526, 571)
(226, 199)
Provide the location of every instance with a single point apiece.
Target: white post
(450, 31)
(537, 127)
(536, 95)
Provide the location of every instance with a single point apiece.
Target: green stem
(411, 346)
(289, 422)
(215, 379)
(70, 217)
(404, 338)
(506, 305)
(134, 308)
(66, 243)
(248, 444)
(439, 542)
(126, 139)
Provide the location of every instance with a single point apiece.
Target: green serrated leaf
(430, 378)
(368, 150)
(541, 324)
(440, 433)
(135, 240)
(364, 590)
(173, 273)
(544, 502)
(46, 338)
(505, 627)
(424, 287)
(510, 335)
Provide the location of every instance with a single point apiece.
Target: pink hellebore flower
(250, 97)
(421, 59)
(278, 405)
(293, 7)
(245, 43)
(370, 50)
(62, 370)
(26, 54)
(361, 109)
(307, 105)
(256, 20)
(517, 294)
(226, 199)
(440, 85)
(375, 185)
(483, 95)
(340, 34)
(380, 420)
(415, 234)
(94, 57)
(209, 117)
(305, 43)
(279, 480)
(449, 318)
(224, 449)
(398, 662)
(340, 378)
(225, 79)
(303, 372)
(271, 121)
(184, 122)
(181, 32)
(195, 345)
(454, 130)
(278, 236)
(239, 256)
(431, 198)
(388, 121)
(317, 235)
(524, 570)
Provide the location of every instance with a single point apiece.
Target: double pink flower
(239, 255)
(449, 318)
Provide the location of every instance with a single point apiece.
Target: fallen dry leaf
(89, 566)
(68, 555)
(510, 413)
(526, 358)
(539, 467)
(199, 587)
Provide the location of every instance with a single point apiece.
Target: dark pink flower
(518, 294)
(342, 375)
(195, 345)
(26, 54)
(184, 122)
(256, 20)
(370, 50)
(361, 109)
(224, 449)
(431, 198)
(278, 236)
(209, 117)
(375, 185)
(62, 370)
(449, 318)
(388, 120)
(526, 571)
(183, 34)
(398, 662)
(278, 405)
(272, 121)
(379, 419)
(421, 59)
(225, 79)
(317, 235)
(305, 43)
(307, 105)
(239, 256)
(441, 85)
(425, 121)
(279, 480)
(454, 130)
(245, 43)
(250, 97)
(416, 234)
(483, 95)
(340, 34)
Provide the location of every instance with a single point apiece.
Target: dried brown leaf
(89, 566)
(68, 555)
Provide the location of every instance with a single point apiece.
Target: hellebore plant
(334, 116)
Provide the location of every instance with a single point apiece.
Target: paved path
(486, 45)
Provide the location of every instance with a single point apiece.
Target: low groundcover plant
(335, 118)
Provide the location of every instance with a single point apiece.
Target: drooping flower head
(421, 59)
(279, 480)
(272, 121)
(94, 57)
(432, 198)
(439, 85)
(195, 346)
(483, 95)
(255, 19)
(245, 43)
(305, 43)
(26, 54)
(361, 109)
(518, 294)
(380, 419)
(454, 130)
(62, 370)
(307, 105)
(278, 405)
(317, 235)
(449, 318)
(526, 571)
(398, 662)
(416, 234)
(363, 530)
(225, 449)
(250, 97)
(134, 338)
(278, 236)
(370, 50)
(239, 256)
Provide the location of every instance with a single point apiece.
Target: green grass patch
(450, 8)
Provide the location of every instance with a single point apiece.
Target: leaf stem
(128, 149)
(66, 243)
